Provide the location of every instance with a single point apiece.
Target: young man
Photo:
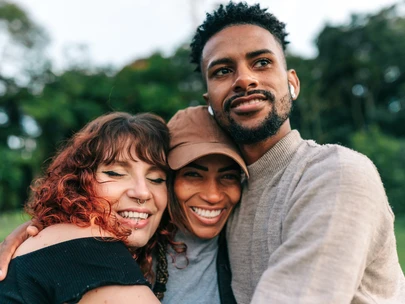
(314, 224)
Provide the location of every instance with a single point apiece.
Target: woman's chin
(137, 239)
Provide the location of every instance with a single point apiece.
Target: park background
(352, 73)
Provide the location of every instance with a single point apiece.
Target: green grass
(9, 221)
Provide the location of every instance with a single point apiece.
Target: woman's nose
(212, 192)
(139, 189)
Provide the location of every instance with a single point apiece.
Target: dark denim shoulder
(224, 271)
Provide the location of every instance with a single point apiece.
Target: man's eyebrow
(254, 54)
(220, 61)
(231, 167)
(194, 165)
(249, 55)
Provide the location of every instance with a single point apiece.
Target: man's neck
(252, 152)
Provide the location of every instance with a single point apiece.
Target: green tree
(362, 79)
(22, 65)
(157, 84)
(387, 152)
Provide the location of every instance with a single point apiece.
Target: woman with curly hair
(104, 193)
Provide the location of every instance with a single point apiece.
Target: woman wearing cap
(207, 186)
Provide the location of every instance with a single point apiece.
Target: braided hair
(162, 274)
(165, 241)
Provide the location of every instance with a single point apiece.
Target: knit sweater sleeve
(336, 222)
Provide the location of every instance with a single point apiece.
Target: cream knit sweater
(314, 226)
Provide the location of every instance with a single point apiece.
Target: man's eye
(157, 180)
(112, 173)
(262, 63)
(222, 71)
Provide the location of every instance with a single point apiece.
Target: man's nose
(245, 80)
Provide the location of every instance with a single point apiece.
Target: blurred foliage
(388, 155)
(352, 92)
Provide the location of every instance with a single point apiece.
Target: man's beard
(270, 125)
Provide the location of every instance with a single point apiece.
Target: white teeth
(206, 213)
(133, 215)
(249, 102)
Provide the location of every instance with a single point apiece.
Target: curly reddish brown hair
(67, 191)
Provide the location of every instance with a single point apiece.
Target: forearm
(10, 245)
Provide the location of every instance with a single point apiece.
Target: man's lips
(251, 99)
(246, 98)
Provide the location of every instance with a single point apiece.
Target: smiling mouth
(248, 99)
(206, 213)
(247, 102)
(133, 215)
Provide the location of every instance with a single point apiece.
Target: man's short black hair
(234, 14)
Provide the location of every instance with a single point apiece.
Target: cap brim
(185, 154)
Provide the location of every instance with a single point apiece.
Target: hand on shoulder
(56, 234)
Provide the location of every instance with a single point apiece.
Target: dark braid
(162, 274)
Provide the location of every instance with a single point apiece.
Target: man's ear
(205, 96)
(294, 81)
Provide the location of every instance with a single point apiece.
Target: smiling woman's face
(138, 194)
(207, 190)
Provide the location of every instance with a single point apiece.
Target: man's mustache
(227, 104)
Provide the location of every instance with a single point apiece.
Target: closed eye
(157, 180)
(112, 173)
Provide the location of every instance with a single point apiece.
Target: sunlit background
(62, 63)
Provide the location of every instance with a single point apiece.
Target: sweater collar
(277, 157)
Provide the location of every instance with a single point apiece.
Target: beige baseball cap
(194, 134)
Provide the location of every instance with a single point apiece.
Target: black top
(64, 272)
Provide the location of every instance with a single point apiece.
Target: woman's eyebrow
(194, 165)
(121, 163)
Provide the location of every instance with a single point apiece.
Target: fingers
(32, 230)
(10, 245)
(35, 227)
(4, 259)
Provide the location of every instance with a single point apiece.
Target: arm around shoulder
(10, 245)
